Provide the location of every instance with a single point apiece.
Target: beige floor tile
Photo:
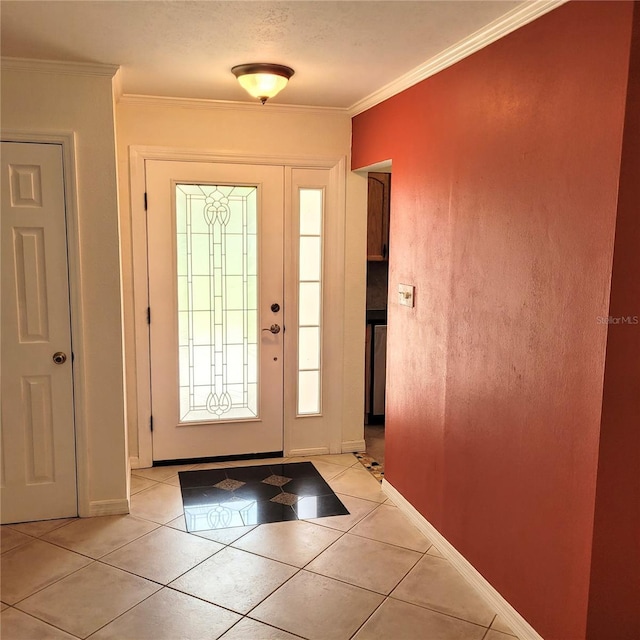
(295, 542)
(161, 473)
(169, 615)
(177, 523)
(395, 619)
(358, 509)
(248, 629)
(242, 579)
(172, 480)
(34, 566)
(40, 527)
(389, 524)
(161, 503)
(497, 635)
(365, 563)
(332, 610)
(95, 537)
(223, 536)
(88, 599)
(140, 484)
(327, 470)
(358, 483)
(500, 625)
(162, 555)
(3, 606)
(10, 539)
(17, 625)
(434, 551)
(342, 459)
(435, 584)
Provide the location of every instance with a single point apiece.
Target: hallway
(367, 575)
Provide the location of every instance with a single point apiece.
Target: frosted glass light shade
(262, 85)
(262, 80)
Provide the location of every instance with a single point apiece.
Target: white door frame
(67, 140)
(137, 157)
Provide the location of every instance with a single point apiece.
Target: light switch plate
(406, 295)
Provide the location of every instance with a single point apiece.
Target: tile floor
(366, 575)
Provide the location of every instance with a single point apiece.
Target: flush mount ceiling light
(262, 80)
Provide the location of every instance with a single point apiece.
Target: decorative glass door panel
(217, 260)
(215, 236)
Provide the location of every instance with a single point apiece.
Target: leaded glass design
(216, 227)
(310, 301)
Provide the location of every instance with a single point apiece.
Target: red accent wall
(614, 596)
(503, 215)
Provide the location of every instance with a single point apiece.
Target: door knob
(274, 328)
(59, 357)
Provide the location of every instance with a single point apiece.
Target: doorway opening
(378, 249)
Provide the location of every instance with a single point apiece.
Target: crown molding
(495, 30)
(117, 85)
(202, 103)
(59, 66)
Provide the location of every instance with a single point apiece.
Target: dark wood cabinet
(378, 208)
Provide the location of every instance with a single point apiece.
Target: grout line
(273, 626)
(64, 524)
(52, 583)
(393, 544)
(123, 613)
(449, 615)
(342, 534)
(271, 593)
(350, 584)
(21, 544)
(215, 604)
(369, 617)
(47, 622)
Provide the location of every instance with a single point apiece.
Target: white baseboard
(316, 451)
(108, 507)
(353, 446)
(136, 463)
(507, 613)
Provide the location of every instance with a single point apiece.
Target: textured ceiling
(342, 51)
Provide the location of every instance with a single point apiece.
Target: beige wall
(268, 131)
(52, 102)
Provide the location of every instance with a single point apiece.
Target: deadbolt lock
(275, 307)
(59, 357)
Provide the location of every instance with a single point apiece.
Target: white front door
(37, 458)
(215, 251)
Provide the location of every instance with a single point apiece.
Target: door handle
(274, 328)
(59, 357)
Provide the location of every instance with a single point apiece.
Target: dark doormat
(240, 496)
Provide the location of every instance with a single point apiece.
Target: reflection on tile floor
(259, 494)
(142, 576)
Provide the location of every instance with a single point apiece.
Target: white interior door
(37, 458)
(215, 251)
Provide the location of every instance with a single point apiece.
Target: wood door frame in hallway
(336, 169)
(67, 140)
